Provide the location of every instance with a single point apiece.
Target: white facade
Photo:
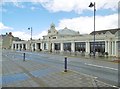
(69, 40)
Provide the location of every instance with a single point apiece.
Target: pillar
(53, 45)
(109, 48)
(73, 46)
(33, 46)
(36, 48)
(61, 47)
(113, 48)
(12, 46)
(27, 46)
(48, 46)
(106, 46)
(22, 47)
(87, 47)
(116, 48)
(41, 46)
(18, 46)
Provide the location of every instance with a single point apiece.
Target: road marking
(101, 66)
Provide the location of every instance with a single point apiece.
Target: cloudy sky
(18, 15)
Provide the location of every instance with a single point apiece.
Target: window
(99, 46)
(80, 46)
(67, 46)
(57, 46)
(54, 37)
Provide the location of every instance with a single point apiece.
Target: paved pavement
(31, 73)
(79, 55)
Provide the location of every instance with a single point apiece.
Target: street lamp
(31, 32)
(93, 5)
(30, 38)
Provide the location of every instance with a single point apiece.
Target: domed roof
(67, 31)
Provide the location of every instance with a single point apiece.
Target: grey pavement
(39, 73)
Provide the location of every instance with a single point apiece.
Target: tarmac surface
(31, 73)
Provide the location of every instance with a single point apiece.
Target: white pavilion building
(67, 40)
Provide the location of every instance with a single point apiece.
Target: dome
(67, 31)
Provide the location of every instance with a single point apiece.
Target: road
(102, 70)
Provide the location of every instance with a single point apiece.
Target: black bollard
(65, 64)
(23, 56)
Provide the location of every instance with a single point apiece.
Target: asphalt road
(102, 70)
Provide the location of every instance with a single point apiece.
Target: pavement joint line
(85, 74)
(110, 85)
(101, 66)
(38, 81)
(95, 78)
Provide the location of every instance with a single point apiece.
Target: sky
(17, 16)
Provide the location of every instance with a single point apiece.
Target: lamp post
(30, 38)
(93, 5)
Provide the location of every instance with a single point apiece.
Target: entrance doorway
(39, 46)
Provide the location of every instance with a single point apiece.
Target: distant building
(7, 39)
(67, 40)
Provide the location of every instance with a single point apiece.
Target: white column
(47, 46)
(33, 46)
(36, 48)
(53, 47)
(106, 46)
(113, 48)
(61, 47)
(27, 46)
(30, 45)
(116, 48)
(12, 46)
(109, 48)
(88, 47)
(22, 47)
(73, 46)
(86, 50)
(41, 46)
(18, 46)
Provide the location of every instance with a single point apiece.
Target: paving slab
(31, 73)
